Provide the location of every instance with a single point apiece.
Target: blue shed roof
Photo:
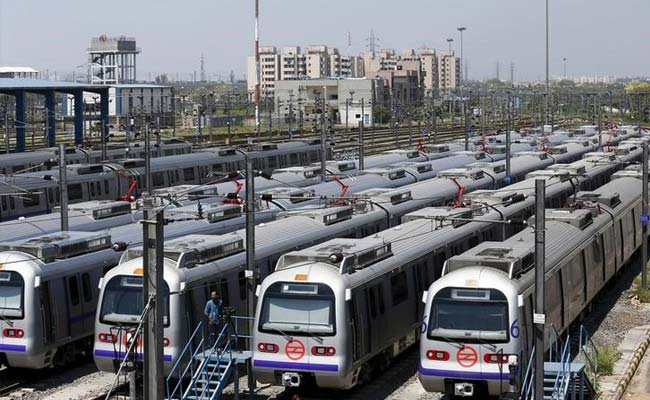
(40, 84)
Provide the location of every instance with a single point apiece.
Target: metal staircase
(207, 363)
(564, 379)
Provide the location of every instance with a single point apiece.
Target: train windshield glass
(123, 302)
(12, 287)
(472, 315)
(298, 308)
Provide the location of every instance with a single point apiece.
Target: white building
(19, 72)
(448, 70)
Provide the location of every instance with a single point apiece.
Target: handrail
(592, 361)
(214, 349)
(527, 385)
(188, 346)
(561, 384)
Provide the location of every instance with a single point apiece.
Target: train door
(49, 327)
(88, 300)
(361, 323)
(75, 306)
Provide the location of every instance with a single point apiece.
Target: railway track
(376, 140)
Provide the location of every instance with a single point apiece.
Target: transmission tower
(498, 71)
(373, 43)
(512, 72)
(202, 68)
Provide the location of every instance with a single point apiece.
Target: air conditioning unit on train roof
(610, 200)
(542, 155)
(100, 209)
(60, 245)
(328, 216)
(443, 216)
(438, 148)
(347, 255)
(580, 218)
(192, 250)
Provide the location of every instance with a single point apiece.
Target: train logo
(466, 357)
(294, 349)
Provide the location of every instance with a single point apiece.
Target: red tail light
(437, 355)
(327, 351)
(496, 358)
(165, 342)
(107, 338)
(13, 333)
(268, 348)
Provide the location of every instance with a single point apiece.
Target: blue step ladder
(208, 363)
(564, 378)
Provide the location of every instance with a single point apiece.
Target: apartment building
(448, 70)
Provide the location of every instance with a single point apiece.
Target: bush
(643, 295)
(607, 356)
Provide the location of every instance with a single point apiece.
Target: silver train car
(34, 193)
(349, 306)
(36, 160)
(49, 289)
(224, 272)
(478, 316)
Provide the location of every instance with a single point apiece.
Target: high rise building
(448, 70)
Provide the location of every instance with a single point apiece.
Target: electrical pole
(361, 156)
(433, 115)
(644, 219)
(104, 149)
(152, 265)
(63, 187)
(547, 79)
(508, 178)
(323, 140)
(251, 272)
(6, 128)
(600, 125)
(466, 125)
(258, 68)
(147, 159)
(539, 318)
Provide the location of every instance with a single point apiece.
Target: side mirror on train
(425, 295)
(348, 294)
(257, 291)
(37, 281)
(101, 283)
(520, 301)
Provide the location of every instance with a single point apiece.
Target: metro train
(35, 160)
(49, 289)
(224, 271)
(335, 313)
(34, 193)
(478, 317)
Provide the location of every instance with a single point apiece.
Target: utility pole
(323, 140)
(6, 126)
(508, 178)
(152, 265)
(644, 219)
(539, 317)
(290, 110)
(600, 125)
(104, 149)
(147, 158)
(466, 125)
(258, 68)
(361, 156)
(251, 272)
(63, 187)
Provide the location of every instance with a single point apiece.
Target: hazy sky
(601, 37)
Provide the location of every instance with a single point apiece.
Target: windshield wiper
(485, 343)
(315, 337)
(284, 335)
(7, 320)
(451, 341)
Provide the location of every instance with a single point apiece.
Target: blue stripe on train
(292, 365)
(496, 376)
(13, 347)
(122, 354)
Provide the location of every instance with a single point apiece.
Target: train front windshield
(12, 288)
(298, 308)
(123, 301)
(470, 315)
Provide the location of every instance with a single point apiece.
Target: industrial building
(19, 72)
(112, 60)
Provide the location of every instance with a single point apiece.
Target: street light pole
(461, 29)
(547, 77)
(63, 187)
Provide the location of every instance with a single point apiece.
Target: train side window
(188, 174)
(50, 194)
(399, 288)
(86, 287)
(380, 295)
(243, 290)
(75, 192)
(12, 202)
(73, 287)
(57, 193)
(293, 159)
(31, 200)
(4, 202)
(92, 189)
(372, 303)
(158, 179)
(106, 187)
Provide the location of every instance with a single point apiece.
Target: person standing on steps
(213, 312)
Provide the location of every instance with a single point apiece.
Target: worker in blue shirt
(213, 312)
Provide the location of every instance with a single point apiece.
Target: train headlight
(437, 355)
(107, 338)
(268, 347)
(497, 358)
(13, 333)
(326, 351)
